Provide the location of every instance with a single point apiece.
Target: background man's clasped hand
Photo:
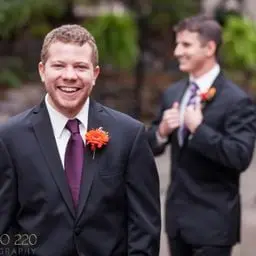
(193, 117)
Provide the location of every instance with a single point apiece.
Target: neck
(205, 68)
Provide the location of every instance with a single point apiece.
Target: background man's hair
(207, 28)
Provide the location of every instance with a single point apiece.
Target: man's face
(191, 53)
(69, 76)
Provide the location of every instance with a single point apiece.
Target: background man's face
(190, 52)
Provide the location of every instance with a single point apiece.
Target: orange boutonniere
(207, 96)
(96, 138)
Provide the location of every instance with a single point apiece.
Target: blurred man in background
(211, 126)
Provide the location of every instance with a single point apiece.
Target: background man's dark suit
(119, 193)
(203, 201)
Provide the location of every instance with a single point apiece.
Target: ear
(41, 70)
(211, 48)
(96, 73)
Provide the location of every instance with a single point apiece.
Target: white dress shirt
(58, 121)
(204, 82)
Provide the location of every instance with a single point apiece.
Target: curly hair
(74, 34)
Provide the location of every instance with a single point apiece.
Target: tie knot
(193, 87)
(73, 126)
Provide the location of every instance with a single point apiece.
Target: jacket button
(77, 231)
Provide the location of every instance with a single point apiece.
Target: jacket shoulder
(174, 86)
(15, 123)
(233, 93)
(122, 119)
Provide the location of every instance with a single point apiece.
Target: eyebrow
(75, 63)
(81, 62)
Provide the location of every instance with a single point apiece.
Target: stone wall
(16, 100)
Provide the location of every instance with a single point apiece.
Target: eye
(81, 67)
(185, 44)
(58, 66)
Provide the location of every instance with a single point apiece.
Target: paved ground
(248, 192)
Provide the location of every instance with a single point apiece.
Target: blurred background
(136, 42)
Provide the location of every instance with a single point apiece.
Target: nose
(178, 50)
(69, 73)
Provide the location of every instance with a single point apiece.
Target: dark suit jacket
(203, 201)
(119, 207)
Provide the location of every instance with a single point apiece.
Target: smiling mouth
(69, 89)
(182, 59)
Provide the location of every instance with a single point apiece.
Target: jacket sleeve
(233, 148)
(157, 148)
(143, 196)
(8, 190)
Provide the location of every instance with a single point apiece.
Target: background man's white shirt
(204, 83)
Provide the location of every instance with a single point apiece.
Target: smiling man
(210, 124)
(76, 178)
(68, 70)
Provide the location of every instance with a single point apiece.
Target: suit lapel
(95, 120)
(43, 130)
(218, 85)
(183, 87)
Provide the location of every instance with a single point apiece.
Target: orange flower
(207, 96)
(96, 138)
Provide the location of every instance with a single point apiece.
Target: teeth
(68, 89)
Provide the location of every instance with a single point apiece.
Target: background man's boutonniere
(96, 138)
(207, 96)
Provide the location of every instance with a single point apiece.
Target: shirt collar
(205, 81)
(58, 120)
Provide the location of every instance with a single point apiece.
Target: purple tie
(74, 159)
(193, 88)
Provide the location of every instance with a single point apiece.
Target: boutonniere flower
(207, 96)
(96, 139)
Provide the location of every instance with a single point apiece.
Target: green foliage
(221, 14)
(239, 48)
(9, 78)
(13, 15)
(38, 30)
(11, 72)
(116, 38)
(16, 14)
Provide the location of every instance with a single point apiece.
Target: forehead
(187, 36)
(59, 51)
